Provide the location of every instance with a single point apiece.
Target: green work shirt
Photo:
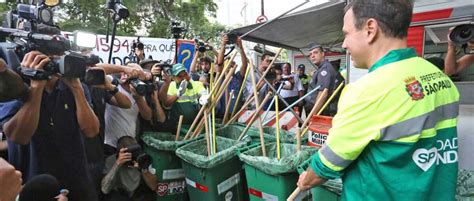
(394, 136)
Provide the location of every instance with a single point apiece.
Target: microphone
(43, 187)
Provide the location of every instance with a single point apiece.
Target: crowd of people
(82, 133)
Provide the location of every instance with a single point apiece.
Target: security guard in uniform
(326, 77)
(182, 95)
(304, 78)
(394, 136)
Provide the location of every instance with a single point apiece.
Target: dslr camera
(462, 35)
(142, 87)
(202, 46)
(144, 160)
(232, 37)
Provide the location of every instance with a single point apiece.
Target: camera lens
(465, 33)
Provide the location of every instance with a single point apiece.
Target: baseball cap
(301, 66)
(177, 68)
(313, 45)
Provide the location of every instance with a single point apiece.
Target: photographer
(146, 64)
(181, 95)
(138, 53)
(453, 66)
(296, 91)
(237, 78)
(203, 74)
(123, 122)
(126, 179)
(44, 131)
(101, 94)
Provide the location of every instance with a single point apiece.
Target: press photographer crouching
(129, 174)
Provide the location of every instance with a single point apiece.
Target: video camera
(202, 46)
(118, 8)
(176, 29)
(462, 35)
(144, 160)
(20, 42)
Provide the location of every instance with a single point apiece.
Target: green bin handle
(246, 148)
(304, 166)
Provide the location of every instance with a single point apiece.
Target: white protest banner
(155, 48)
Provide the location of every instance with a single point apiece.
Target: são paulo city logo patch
(414, 88)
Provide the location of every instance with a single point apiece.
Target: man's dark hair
(277, 66)
(206, 59)
(124, 141)
(265, 55)
(393, 16)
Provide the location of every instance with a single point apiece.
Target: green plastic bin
(216, 177)
(329, 191)
(281, 174)
(233, 132)
(169, 172)
(269, 134)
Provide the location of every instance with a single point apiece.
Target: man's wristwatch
(114, 91)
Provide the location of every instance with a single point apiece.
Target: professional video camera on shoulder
(30, 28)
(462, 35)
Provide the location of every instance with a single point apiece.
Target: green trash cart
(215, 177)
(281, 174)
(169, 172)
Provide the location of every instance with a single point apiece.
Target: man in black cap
(147, 63)
(326, 77)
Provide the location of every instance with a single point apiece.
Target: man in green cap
(181, 95)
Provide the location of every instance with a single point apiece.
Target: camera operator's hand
(72, 83)
(3, 66)
(10, 181)
(134, 92)
(35, 60)
(123, 157)
(224, 40)
(238, 42)
(450, 43)
(132, 72)
(166, 77)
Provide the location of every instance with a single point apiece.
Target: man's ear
(372, 30)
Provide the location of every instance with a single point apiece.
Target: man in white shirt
(295, 91)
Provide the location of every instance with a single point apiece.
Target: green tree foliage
(151, 16)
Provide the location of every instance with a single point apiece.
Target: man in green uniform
(394, 136)
(182, 95)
